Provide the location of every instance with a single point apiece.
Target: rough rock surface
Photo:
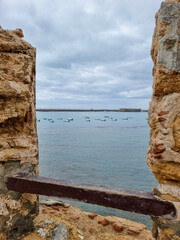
(58, 222)
(164, 112)
(18, 136)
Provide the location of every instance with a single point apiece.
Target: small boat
(114, 119)
(106, 116)
(66, 120)
(125, 118)
(59, 118)
(45, 118)
(87, 120)
(70, 119)
(103, 120)
(38, 120)
(97, 119)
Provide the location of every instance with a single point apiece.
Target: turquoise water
(108, 153)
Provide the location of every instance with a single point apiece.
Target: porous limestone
(163, 155)
(18, 135)
(73, 223)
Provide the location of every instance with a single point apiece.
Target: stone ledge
(64, 222)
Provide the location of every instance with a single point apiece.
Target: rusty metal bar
(127, 200)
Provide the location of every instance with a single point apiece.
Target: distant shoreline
(92, 110)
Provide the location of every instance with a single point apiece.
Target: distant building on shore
(130, 110)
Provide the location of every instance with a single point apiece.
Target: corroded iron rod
(127, 200)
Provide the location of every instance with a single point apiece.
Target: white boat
(66, 120)
(70, 119)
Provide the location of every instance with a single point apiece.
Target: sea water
(98, 148)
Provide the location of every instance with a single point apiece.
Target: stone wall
(18, 135)
(164, 112)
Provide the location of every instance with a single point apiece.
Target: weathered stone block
(166, 50)
(18, 134)
(163, 155)
(176, 133)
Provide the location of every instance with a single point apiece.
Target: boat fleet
(86, 118)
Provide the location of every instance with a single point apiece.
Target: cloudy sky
(90, 53)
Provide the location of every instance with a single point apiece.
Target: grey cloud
(89, 53)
